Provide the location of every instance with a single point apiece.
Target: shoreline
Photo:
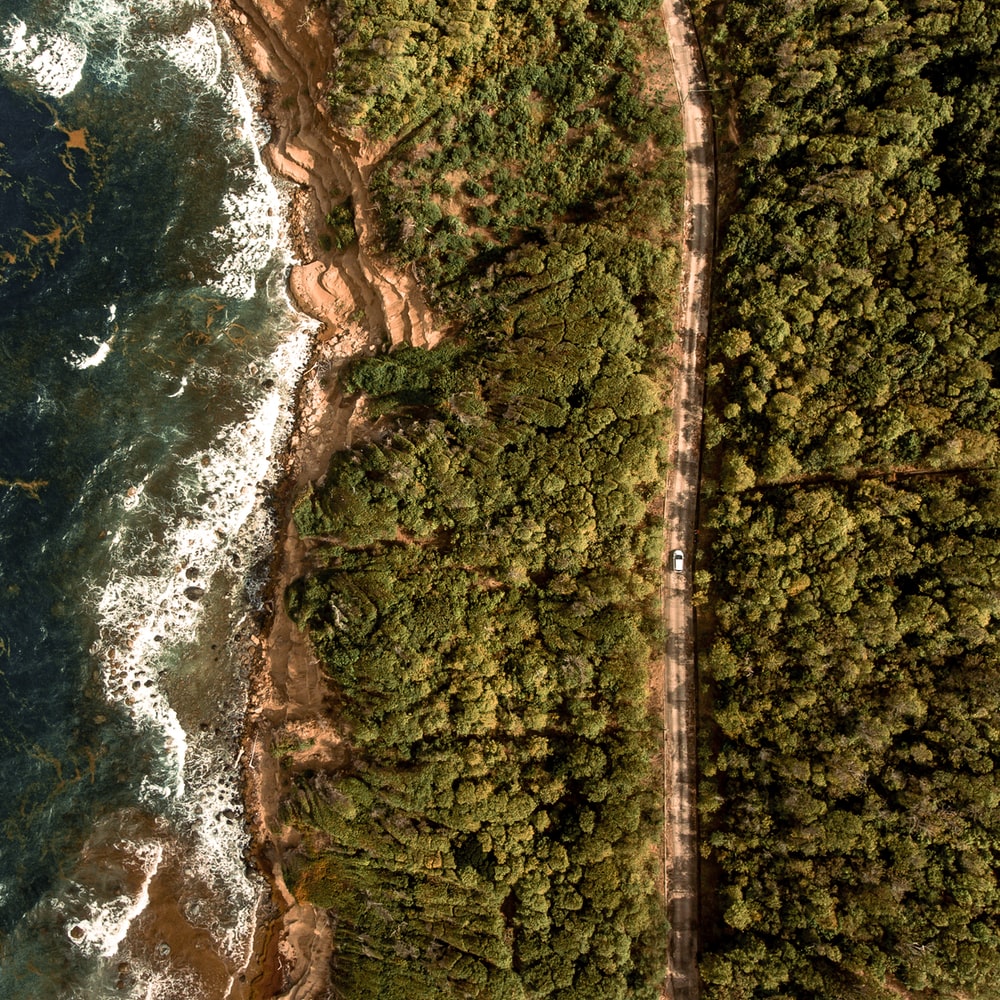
(361, 307)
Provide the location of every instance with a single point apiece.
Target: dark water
(147, 361)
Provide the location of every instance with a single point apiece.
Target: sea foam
(51, 61)
(197, 53)
(211, 821)
(120, 29)
(93, 360)
(102, 931)
(152, 600)
(171, 550)
(252, 207)
(147, 612)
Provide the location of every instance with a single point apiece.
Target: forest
(485, 597)
(851, 512)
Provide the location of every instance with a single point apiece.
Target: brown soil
(363, 305)
(680, 681)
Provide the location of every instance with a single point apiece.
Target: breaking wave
(153, 599)
(179, 502)
(197, 53)
(52, 62)
(107, 922)
(253, 208)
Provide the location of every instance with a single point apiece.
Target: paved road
(680, 679)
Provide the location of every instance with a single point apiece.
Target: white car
(677, 560)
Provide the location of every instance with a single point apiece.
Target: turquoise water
(147, 363)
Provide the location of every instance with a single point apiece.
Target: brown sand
(363, 306)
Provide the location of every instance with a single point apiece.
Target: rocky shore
(363, 306)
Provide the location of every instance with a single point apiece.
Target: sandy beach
(362, 306)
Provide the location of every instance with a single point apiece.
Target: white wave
(150, 613)
(153, 600)
(103, 350)
(250, 237)
(158, 984)
(50, 60)
(212, 816)
(114, 23)
(105, 928)
(82, 361)
(197, 53)
(133, 684)
(253, 209)
(123, 33)
(122, 26)
(252, 206)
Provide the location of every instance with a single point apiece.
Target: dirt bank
(363, 305)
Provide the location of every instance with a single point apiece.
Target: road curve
(680, 682)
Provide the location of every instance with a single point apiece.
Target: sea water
(148, 359)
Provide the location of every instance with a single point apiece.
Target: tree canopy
(851, 520)
(486, 567)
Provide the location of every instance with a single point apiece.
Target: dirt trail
(363, 305)
(680, 680)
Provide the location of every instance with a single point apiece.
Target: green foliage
(410, 377)
(512, 115)
(851, 803)
(485, 587)
(502, 790)
(340, 219)
(848, 791)
(486, 616)
(857, 309)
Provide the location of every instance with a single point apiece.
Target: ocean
(148, 362)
